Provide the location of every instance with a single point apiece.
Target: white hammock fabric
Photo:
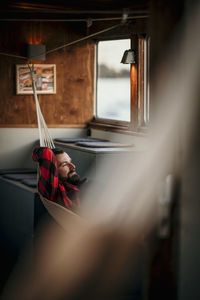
(61, 215)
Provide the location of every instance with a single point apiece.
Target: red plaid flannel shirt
(49, 184)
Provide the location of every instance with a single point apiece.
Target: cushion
(14, 171)
(75, 140)
(20, 176)
(31, 182)
(102, 145)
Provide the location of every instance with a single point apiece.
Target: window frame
(137, 124)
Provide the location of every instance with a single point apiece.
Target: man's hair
(57, 151)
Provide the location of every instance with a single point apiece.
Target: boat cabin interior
(115, 85)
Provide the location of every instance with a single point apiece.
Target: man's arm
(48, 179)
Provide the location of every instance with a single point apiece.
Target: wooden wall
(72, 105)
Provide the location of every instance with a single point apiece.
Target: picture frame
(44, 75)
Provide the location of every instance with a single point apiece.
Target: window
(113, 81)
(122, 90)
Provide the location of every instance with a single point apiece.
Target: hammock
(59, 213)
(55, 210)
(63, 216)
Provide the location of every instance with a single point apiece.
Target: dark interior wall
(167, 22)
(73, 102)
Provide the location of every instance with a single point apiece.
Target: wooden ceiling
(72, 9)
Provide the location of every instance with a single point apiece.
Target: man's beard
(73, 179)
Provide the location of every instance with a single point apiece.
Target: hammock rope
(44, 134)
(83, 38)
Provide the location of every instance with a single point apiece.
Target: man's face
(66, 169)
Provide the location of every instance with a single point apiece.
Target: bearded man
(58, 180)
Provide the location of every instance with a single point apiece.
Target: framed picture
(44, 76)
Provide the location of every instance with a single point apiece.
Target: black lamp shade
(128, 57)
(36, 52)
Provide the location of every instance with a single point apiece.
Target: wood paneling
(73, 102)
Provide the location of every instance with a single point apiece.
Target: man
(58, 179)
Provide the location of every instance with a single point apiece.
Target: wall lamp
(36, 52)
(129, 57)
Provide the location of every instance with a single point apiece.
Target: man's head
(66, 169)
